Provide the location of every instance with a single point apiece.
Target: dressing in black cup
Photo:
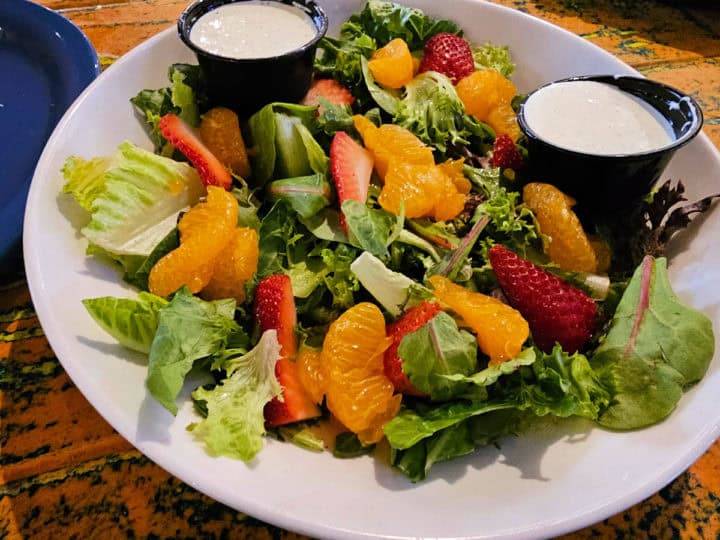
(607, 183)
(246, 84)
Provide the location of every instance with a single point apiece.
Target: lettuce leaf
(189, 329)
(132, 322)
(139, 204)
(85, 179)
(234, 425)
(436, 350)
(182, 97)
(371, 229)
(655, 348)
(385, 21)
(307, 195)
(493, 57)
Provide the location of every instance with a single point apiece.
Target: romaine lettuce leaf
(142, 196)
(189, 329)
(132, 322)
(85, 178)
(234, 425)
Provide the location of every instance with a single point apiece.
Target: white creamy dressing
(595, 118)
(254, 29)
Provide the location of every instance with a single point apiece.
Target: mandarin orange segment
(205, 230)
(454, 169)
(500, 329)
(235, 266)
(569, 246)
(425, 191)
(603, 254)
(392, 65)
(358, 392)
(366, 129)
(310, 373)
(220, 131)
(503, 120)
(392, 142)
(483, 90)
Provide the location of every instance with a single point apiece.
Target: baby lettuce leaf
(234, 425)
(307, 195)
(140, 200)
(655, 348)
(385, 21)
(371, 229)
(387, 100)
(132, 322)
(188, 329)
(433, 352)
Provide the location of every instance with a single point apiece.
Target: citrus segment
(358, 392)
(205, 230)
(392, 142)
(235, 266)
(500, 329)
(309, 362)
(569, 246)
(454, 169)
(220, 131)
(503, 120)
(484, 90)
(392, 65)
(425, 191)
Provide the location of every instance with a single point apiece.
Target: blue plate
(45, 62)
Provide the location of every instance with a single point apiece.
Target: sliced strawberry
(275, 309)
(182, 137)
(506, 154)
(413, 319)
(555, 310)
(296, 405)
(328, 89)
(351, 167)
(448, 54)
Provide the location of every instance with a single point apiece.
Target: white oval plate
(536, 485)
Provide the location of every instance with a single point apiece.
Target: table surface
(64, 472)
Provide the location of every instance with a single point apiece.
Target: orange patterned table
(65, 473)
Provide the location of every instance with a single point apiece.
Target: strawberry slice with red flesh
(448, 54)
(275, 309)
(330, 90)
(555, 310)
(351, 167)
(212, 172)
(506, 154)
(413, 319)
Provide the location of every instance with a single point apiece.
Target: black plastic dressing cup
(246, 84)
(605, 184)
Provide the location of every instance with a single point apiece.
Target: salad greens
(649, 347)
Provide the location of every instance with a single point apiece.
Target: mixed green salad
(646, 348)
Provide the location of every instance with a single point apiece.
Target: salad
(375, 267)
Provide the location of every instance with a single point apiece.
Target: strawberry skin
(555, 310)
(351, 167)
(413, 319)
(275, 309)
(328, 89)
(505, 154)
(181, 136)
(448, 54)
(296, 405)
